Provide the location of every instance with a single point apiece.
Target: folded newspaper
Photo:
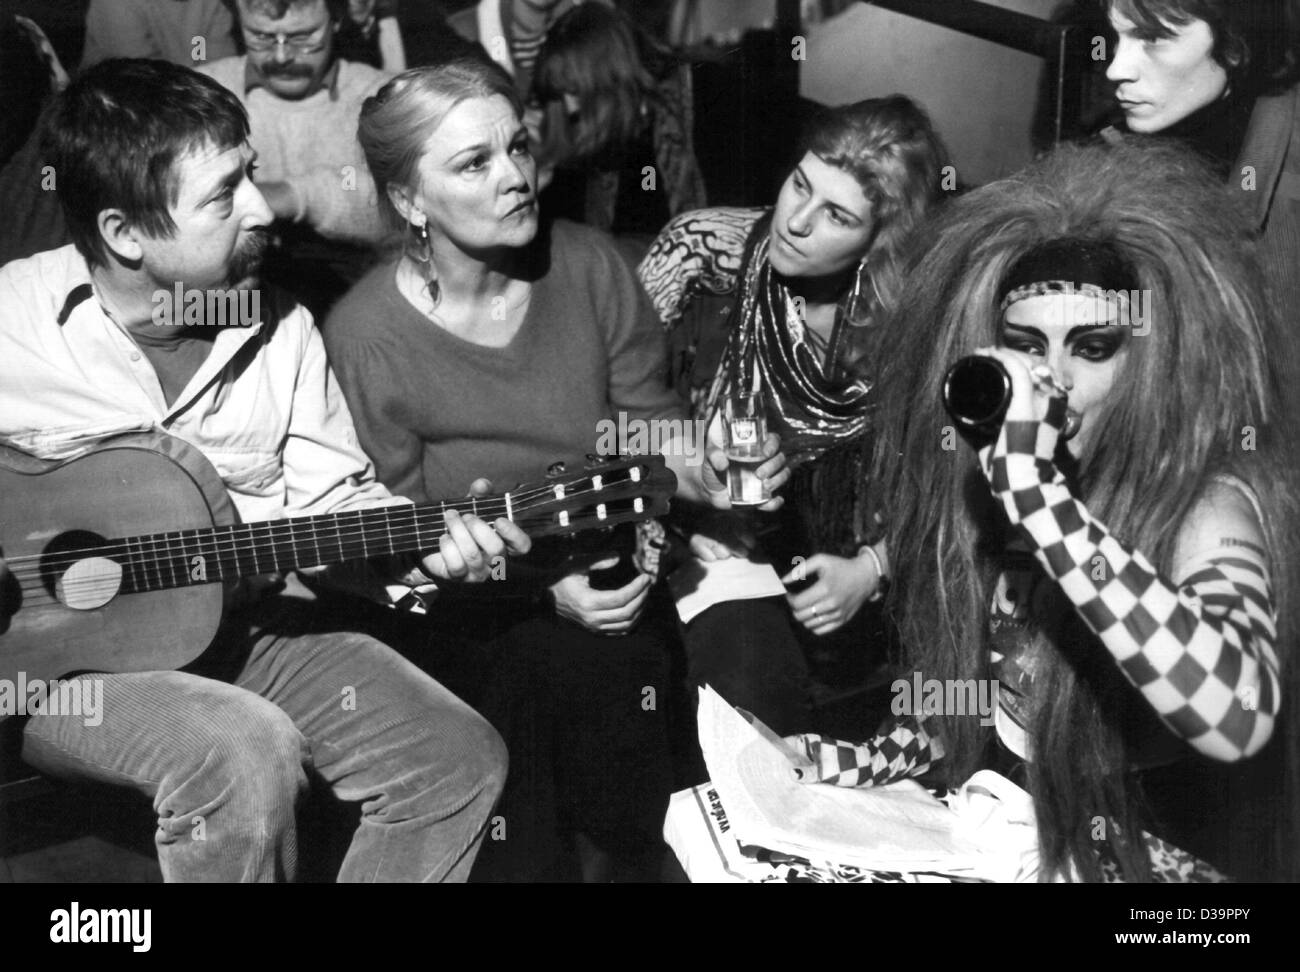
(755, 801)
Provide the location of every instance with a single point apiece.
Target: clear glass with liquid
(744, 429)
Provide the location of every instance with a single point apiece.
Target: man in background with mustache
(303, 102)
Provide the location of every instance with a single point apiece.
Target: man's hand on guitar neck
(466, 550)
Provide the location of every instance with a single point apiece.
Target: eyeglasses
(310, 43)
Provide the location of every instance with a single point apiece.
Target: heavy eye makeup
(1094, 344)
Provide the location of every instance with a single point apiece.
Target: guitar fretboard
(620, 492)
(159, 561)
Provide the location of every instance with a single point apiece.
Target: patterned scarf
(770, 347)
(821, 416)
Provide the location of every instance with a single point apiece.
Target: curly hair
(1210, 368)
(890, 147)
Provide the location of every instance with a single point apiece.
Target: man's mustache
(288, 70)
(247, 258)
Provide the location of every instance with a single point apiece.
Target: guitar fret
(315, 542)
(211, 558)
(169, 559)
(293, 545)
(153, 562)
(282, 545)
(188, 564)
(143, 568)
(157, 562)
(272, 543)
(338, 536)
(226, 559)
(280, 557)
(131, 566)
(417, 521)
(242, 551)
(388, 528)
(252, 547)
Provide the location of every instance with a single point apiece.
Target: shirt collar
(76, 285)
(78, 293)
(80, 288)
(254, 78)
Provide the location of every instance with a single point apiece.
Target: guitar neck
(628, 491)
(167, 560)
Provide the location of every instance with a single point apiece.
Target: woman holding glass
(783, 301)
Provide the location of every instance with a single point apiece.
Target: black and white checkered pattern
(905, 750)
(1203, 653)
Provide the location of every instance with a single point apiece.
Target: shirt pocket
(250, 473)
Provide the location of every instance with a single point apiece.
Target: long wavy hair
(612, 67)
(1190, 400)
(890, 147)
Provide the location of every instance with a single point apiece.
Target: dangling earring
(857, 306)
(425, 259)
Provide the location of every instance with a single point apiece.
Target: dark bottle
(976, 392)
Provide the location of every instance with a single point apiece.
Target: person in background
(30, 73)
(512, 32)
(1221, 75)
(185, 32)
(794, 295)
(618, 113)
(303, 101)
(371, 34)
(503, 342)
(1120, 560)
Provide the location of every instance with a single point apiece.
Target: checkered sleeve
(902, 749)
(1202, 652)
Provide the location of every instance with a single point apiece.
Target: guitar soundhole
(64, 551)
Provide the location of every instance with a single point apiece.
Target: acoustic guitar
(116, 556)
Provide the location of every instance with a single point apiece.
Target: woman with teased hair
(1120, 560)
(789, 297)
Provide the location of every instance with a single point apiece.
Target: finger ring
(816, 613)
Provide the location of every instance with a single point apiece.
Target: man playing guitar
(154, 175)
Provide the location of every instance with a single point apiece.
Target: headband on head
(1068, 266)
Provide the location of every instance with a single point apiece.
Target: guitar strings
(133, 546)
(30, 584)
(143, 553)
(285, 524)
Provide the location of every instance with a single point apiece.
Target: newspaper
(900, 827)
